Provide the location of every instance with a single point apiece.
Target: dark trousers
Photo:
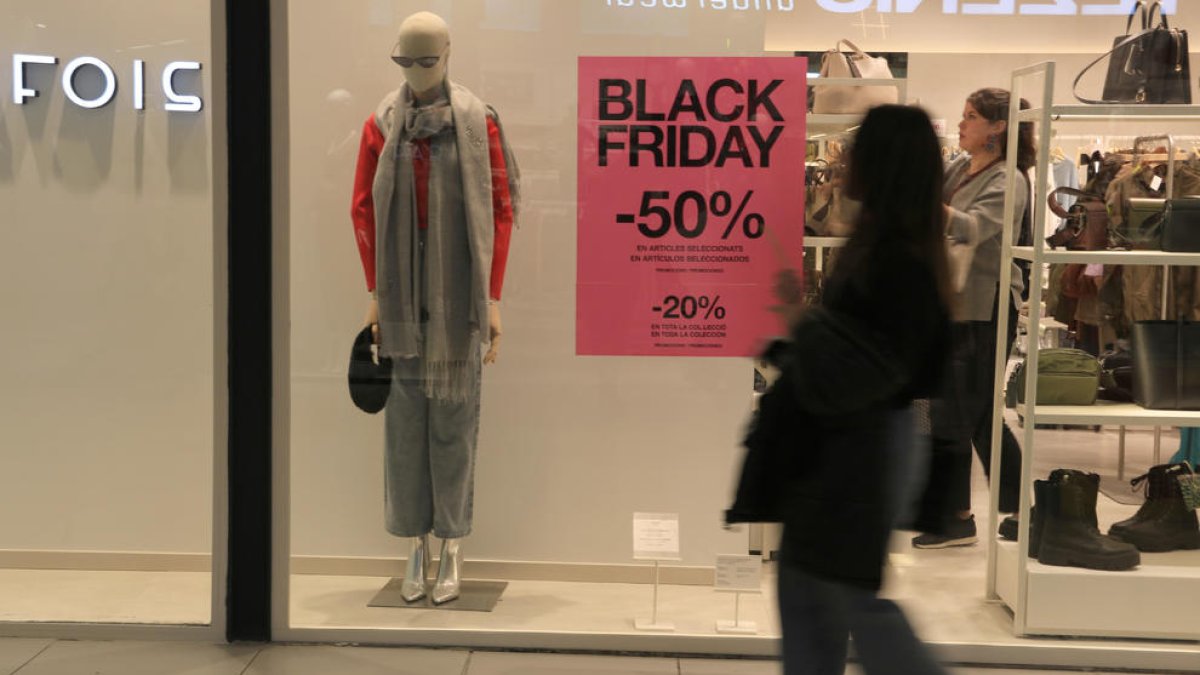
(818, 616)
(961, 417)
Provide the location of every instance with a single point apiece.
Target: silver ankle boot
(448, 583)
(417, 569)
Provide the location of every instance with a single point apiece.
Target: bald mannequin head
(424, 39)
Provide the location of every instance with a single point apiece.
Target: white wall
(106, 283)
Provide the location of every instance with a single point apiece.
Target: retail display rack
(1159, 598)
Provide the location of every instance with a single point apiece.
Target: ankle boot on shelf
(1164, 522)
(1037, 517)
(1154, 482)
(1069, 535)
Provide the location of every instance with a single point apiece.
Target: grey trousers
(429, 458)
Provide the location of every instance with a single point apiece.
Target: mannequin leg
(416, 570)
(449, 576)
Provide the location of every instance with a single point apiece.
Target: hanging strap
(1071, 192)
(1147, 16)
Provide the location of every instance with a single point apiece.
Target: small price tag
(656, 536)
(739, 573)
(1156, 183)
(939, 127)
(1095, 167)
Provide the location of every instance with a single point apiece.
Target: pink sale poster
(690, 201)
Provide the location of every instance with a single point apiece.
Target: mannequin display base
(474, 596)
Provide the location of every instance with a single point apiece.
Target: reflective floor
(57, 657)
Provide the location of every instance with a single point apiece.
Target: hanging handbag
(1150, 66)
(1143, 228)
(1085, 225)
(1181, 226)
(1166, 358)
(849, 99)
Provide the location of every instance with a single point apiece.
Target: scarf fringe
(449, 380)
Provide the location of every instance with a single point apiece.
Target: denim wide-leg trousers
(429, 459)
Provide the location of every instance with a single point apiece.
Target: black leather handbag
(1166, 364)
(1150, 66)
(1181, 226)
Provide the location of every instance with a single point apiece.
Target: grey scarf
(432, 285)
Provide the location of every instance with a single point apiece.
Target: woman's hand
(789, 290)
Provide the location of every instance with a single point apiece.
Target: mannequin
(434, 202)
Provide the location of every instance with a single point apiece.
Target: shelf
(1110, 257)
(1112, 413)
(1047, 322)
(831, 123)
(825, 242)
(1155, 600)
(1080, 112)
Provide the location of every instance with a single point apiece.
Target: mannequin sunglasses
(423, 61)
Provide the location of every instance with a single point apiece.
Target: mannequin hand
(372, 319)
(494, 332)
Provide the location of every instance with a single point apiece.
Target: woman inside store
(840, 414)
(961, 414)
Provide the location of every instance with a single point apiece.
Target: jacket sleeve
(502, 210)
(984, 218)
(362, 207)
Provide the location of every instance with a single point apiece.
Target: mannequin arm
(372, 319)
(362, 207)
(502, 211)
(495, 330)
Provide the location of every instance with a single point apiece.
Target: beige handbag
(848, 99)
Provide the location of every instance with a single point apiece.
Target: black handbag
(369, 381)
(1181, 226)
(1166, 364)
(1150, 66)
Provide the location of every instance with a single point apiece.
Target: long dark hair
(896, 173)
(992, 104)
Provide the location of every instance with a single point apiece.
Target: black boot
(1008, 527)
(1166, 523)
(1069, 536)
(1156, 492)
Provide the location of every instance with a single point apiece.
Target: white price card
(939, 127)
(739, 573)
(1156, 183)
(656, 536)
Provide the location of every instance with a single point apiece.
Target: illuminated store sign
(979, 7)
(176, 102)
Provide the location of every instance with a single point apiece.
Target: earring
(992, 139)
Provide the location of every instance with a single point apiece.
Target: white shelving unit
(1159, 598)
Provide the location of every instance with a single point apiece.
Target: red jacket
(362, 210)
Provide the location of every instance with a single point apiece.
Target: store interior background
(110, 259)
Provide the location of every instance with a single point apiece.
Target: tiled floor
(51, 657)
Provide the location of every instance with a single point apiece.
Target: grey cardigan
(977, 214)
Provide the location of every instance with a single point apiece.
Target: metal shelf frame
(1018, 595)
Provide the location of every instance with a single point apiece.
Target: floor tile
(16, 652)
(141, 658)
(285, 660)
(497, 663)
(728, 667)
